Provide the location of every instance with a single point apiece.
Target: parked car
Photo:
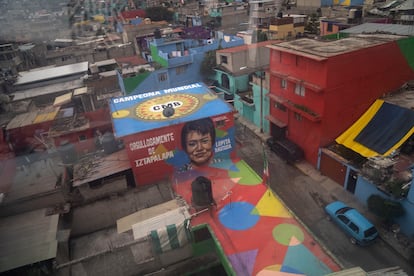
(286, 149)
(355, 225)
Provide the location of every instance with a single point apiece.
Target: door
(332, 167)
(352, 180)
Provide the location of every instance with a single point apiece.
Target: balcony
(304, 111)
(180, 60)
(246, 98)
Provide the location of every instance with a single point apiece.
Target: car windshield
(343, 210)
(371, 231)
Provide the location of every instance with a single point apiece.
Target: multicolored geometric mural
(260, 236)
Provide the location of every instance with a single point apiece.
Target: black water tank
(157, 33)
(67, 153)
(202, 192)
(109, 143)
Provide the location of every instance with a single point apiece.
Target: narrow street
(306, 197)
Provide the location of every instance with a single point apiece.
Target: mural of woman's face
(199, 147)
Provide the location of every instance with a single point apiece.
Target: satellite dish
(168, 111)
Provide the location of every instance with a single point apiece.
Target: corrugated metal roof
(63, 99)
(105, 62)
(33, 117)
(46, 90)
(27, 238)
(103, 166)
(396, 29)
(80, 91)
(51, 73)
(406, 6)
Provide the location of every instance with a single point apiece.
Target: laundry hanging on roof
(170, 237)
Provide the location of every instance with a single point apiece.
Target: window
(82, 137)
(179, 70)
(353, 227)
(329, 29)
(344, 219)
(223, 59)
(280, 106)
(221, 123)
(162, 77)
(298, 117)
(283, 83)
(300, 89)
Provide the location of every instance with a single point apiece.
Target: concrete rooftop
(320, 50)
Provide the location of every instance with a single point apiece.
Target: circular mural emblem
(152, 109)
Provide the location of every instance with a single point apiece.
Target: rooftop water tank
(109, 143)
(202, 194)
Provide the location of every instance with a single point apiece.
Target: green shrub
(385, 208)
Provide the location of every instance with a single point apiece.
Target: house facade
(179, 60)
(242, 80)
(373, 158)
(319, 88)
(288, 26)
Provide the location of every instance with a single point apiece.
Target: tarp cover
(383, 128)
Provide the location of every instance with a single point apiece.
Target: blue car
(360, 229)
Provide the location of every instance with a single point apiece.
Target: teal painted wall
(250, 113)
(257, 92)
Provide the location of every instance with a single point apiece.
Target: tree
(208, 63)
(261, 36)
(313, 24)
(159, 14)
(385, 208)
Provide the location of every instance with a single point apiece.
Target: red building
(319, 88)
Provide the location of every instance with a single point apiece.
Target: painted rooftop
(258, 234)
(390, 124)
(142, 112)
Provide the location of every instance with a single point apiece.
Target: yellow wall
(283, 31)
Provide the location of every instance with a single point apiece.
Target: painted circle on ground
(120, 114)
(288, 234)
(238, 216)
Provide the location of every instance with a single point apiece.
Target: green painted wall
(156, 57)
(336, 36)
(209, 245)
(132, 82)
(407, 48)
